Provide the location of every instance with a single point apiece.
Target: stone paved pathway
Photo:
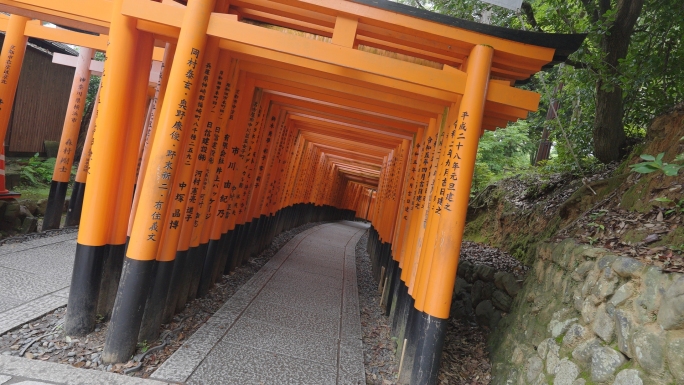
(295, 322)
(34, 278)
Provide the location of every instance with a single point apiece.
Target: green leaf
(679, 158)
(671, 169)
(644, 168)
(647, 157)
(663, 199)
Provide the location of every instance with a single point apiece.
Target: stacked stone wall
(484, 295)
(587, 316)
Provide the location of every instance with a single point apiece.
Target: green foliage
(651, 75)
(92, 91)
(676, 207)
(143, 346)
(503, 153)
(37, 171)
(655, 163)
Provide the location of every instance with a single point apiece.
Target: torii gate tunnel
(250, 131)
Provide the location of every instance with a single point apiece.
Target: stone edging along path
(194, 361)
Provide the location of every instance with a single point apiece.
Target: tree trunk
(609, 133)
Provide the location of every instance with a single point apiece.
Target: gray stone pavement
(295, 322)
(15, 370)
(34, 278)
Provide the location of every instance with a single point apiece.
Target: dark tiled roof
(53, 46)
(564, 44)
(49, 46)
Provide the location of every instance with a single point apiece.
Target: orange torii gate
(252, 131)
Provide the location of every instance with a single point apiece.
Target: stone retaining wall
(587, 316)
(483, 295)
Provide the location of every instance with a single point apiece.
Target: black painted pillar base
(55, 205)
(235, 248)
(211, 260)
(248, 242)
(230, 250)
(111, 273)
(84, 291)
(410, 338)
(183, 264)
(156, 301)
(224, 246)
(124, 327)
(253, 239)
(400, 311)
(391, 274)
(240, 245)
(430, 343)
(73, 216)
(171, 296)
(401, 322)
(196, 257)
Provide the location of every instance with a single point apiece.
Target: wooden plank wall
(40, 104)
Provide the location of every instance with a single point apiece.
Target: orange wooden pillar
(404, 314)
(261, 173)
(149, 131)
(127, 160)
(124, 326)
(414, 186)
(179, 220)
(211, 232)
(250, 181)
(238, 127)
(73, 216)
(207, 200)
(285, 137)
(12, 57)
(67, 144)
(458, 162)
(243, 123)
(242, 178)
(100, 198)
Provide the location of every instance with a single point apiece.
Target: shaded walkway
(295, 322)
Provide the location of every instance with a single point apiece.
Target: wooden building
(41, 100)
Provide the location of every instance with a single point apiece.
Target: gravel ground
(378, 346)
(43, 339)
(43, 234)
(480, 254)
(465, 358)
